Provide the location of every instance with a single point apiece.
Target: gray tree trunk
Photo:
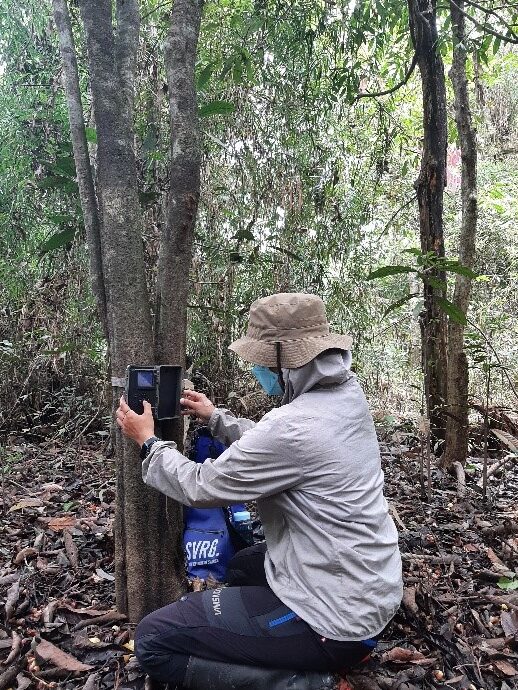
(430, 192)
(184, 188)
(184, 191)
(457, 427)
(146, 550)
(81, 156)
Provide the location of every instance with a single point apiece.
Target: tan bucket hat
(295, 320)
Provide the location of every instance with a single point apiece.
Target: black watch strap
(146, 446)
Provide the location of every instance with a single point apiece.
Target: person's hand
(197, 404)
(139, 427)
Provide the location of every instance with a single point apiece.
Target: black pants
(244, 623)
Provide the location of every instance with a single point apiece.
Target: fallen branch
(109, 617)
(461, 479)
(395, 515)
(409, 600)
(501, 530)
(7, 677)
(496, 466)
(435, 560)
(16, 648)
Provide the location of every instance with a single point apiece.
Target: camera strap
(118, 382)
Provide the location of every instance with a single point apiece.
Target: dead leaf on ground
(509, 622)
(27, 552)
(401, 655)
(22, 682)
(505, 667)
(13, 594)
(507, 439)
(26, 503)
(104, 575)
(58, 523)
(48, 652)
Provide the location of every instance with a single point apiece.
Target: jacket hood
(330, 368)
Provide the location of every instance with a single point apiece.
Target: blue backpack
(209, 538)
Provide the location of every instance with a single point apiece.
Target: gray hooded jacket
(313, 465)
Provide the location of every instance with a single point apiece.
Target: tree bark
(457, 427)
(177, 232)
(145, 552)
(184, 190)
(430, 191)
(81, 156)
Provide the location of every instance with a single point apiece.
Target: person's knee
(154, 649)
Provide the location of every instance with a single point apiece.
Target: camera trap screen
(145, 379)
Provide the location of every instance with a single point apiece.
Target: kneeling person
(327, 581)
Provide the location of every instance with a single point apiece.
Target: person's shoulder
(291, 416)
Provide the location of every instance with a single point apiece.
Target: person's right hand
(197, 404)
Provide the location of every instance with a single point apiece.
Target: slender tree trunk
(184, 190)
(81, 156)
(430, 191)
(145, 552)
(458, 380)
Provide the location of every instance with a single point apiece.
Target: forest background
(304, 187)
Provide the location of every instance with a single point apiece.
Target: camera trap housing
(161, 385)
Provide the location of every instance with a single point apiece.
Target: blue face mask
(268, 380)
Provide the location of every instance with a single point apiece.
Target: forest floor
(457, 627)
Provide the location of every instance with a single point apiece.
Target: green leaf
(508, 583)
(235, 257)
(244, 234)
(413, 250)
(452, 311)
(65, 165)
(91, 135)
(52, 182)
(400, 302)
(204, 76)
(216, 108)
(58, 181)
(237, 70)
(456, 267)
(61, 218)
(390, 271)
(59, 239)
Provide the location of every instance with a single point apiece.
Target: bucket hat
(288, 329)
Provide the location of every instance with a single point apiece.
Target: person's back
(341, 568)
(333, 553)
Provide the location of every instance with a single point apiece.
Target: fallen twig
(109, 617)
(7, 677)
(435, 560)
(15, 648)
(461, 479)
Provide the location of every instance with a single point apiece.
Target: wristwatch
(146, 446)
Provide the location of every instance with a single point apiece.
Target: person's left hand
(139, 427)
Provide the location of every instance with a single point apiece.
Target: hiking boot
(204, 674)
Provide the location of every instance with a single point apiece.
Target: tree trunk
(177, 233)
(457, 427)
(430, 191)
(145, 550)
(184, 190)
(81, 156)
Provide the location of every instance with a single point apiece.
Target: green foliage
(508, 583)
(304, 188)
